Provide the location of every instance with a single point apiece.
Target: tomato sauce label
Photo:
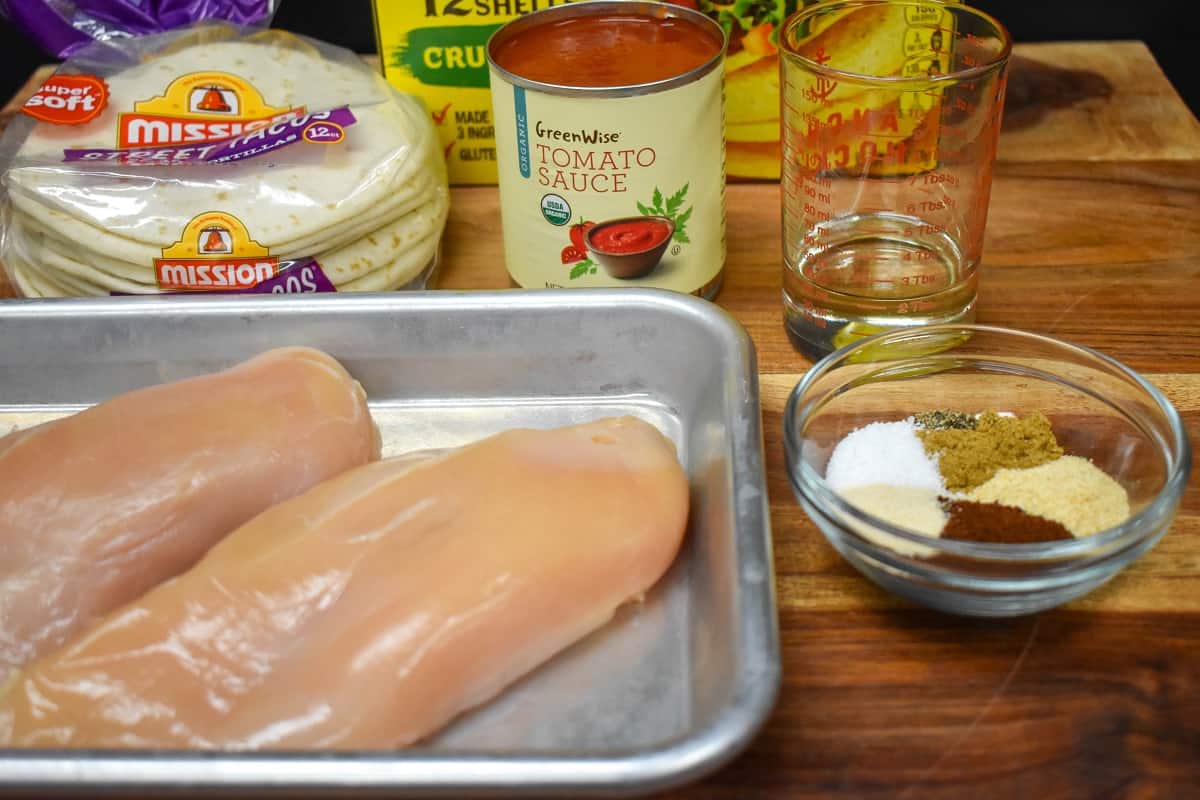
(613, 191)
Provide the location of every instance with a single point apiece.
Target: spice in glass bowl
(941, 419)
(967, 457)
(889, 453)
(972, 521)
(1070, 490)
(986, 477)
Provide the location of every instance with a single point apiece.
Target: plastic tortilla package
(218, 158)
(61, 27)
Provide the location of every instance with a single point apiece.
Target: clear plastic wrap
(219, 159)
(374, 608)
(99, 507)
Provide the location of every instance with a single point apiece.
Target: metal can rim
(653, 8)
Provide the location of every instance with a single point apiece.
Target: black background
(1171, 34)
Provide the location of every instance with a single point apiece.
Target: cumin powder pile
(969, 458)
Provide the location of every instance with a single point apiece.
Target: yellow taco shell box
(436, 50)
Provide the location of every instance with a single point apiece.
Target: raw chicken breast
(371, 610)
(99, 507)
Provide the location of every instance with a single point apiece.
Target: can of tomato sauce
(610, 143)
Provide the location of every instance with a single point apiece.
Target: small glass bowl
(1099, 409)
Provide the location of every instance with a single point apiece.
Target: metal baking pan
(667, 692)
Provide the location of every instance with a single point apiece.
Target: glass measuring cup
(891, 111)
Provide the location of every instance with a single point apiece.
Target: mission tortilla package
(60, 27)
(218, 158)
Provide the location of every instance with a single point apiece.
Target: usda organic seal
(556, 209)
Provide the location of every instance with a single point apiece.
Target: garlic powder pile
(1071, 491)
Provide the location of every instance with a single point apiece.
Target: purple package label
(301, 276)
(60, 27)
(319, 127)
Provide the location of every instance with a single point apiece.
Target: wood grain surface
(1093, 235)
(1093, 101)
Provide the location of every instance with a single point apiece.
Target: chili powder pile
(970, 521)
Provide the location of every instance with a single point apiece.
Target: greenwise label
(572, 166)
(447, 56)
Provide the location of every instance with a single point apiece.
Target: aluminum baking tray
(669, 691)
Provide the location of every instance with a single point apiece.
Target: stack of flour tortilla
(370, 209)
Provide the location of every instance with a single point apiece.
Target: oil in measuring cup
(887, 164)
(858, 274)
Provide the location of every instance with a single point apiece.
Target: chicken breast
(99, 507)
(376, 607)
